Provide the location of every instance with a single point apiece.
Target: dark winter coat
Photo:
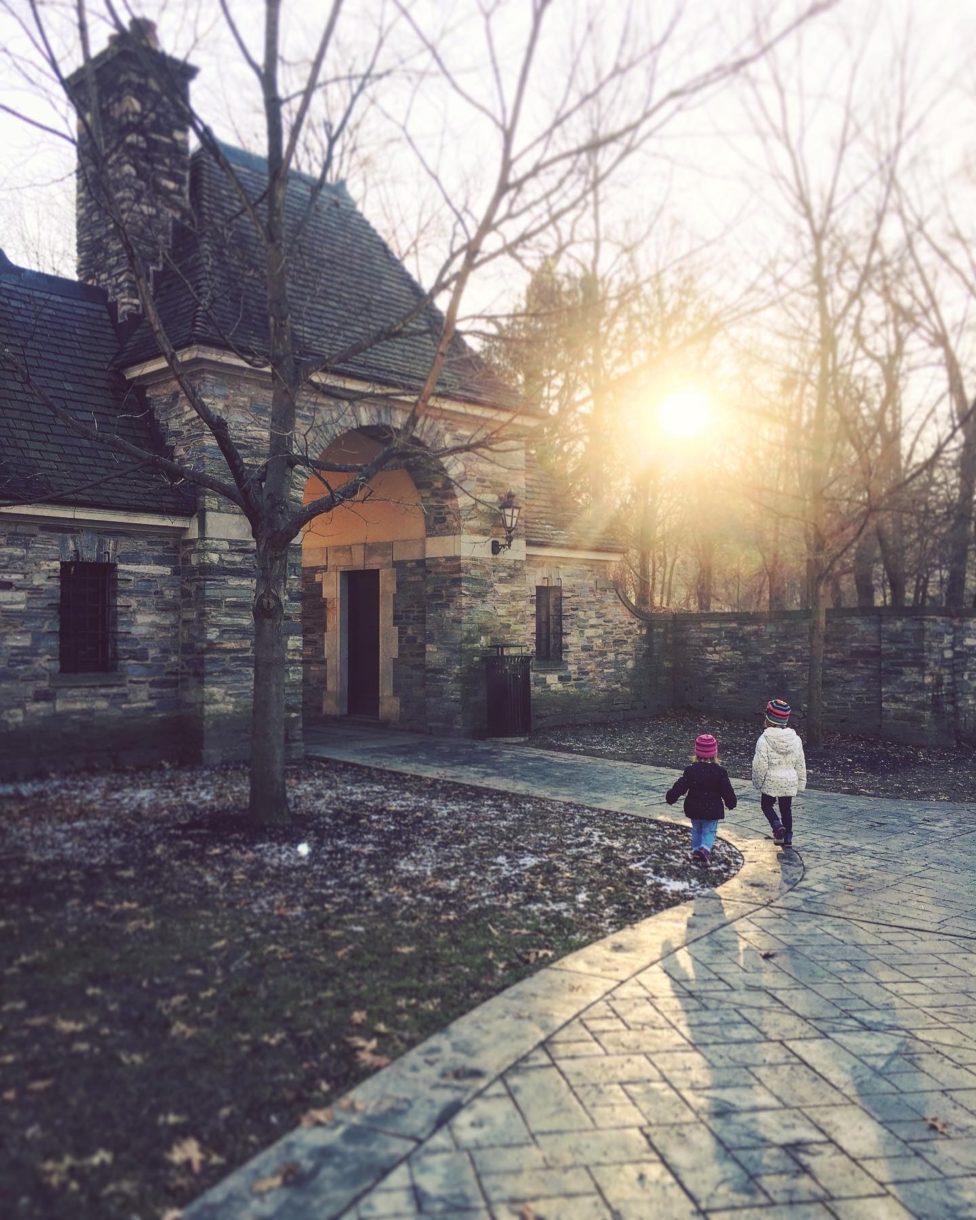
(709, 791)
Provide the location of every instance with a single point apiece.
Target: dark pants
(768, 804)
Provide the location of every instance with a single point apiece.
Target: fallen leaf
(187, 1152)
(405, 949)
(317, 1118)
(37, 1085)
(370, 1060)
(180, 1030)
(536, 955)
(273, 1039)
(69, 1027)
(171, 1119)
(357, 1017)
(937, 1124)
(264, 1186)
(56, 1173)
(173, 1002)
(9, 1095)
(284, 1177)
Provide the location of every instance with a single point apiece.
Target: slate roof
(552, 517)
(347, 286)
(62, 332)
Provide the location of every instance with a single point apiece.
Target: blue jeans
(703, 832)
(768, 805)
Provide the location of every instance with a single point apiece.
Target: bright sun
(684, 413)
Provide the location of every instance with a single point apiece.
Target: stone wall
(604, 670)
(907, 675)
(55, 721)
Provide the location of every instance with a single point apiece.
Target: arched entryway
(364, 568)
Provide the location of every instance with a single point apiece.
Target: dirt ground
(179, 992)
(844, 763)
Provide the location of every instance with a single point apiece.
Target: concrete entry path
(800, 1044)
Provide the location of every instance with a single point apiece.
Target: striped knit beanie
(706, 746)
(778, 712)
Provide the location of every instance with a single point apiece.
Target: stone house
(125, 597)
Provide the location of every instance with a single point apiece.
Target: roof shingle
(347, 288)
(61, 333)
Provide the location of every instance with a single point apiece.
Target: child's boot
(779, 836)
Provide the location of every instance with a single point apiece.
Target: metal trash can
(508, 687)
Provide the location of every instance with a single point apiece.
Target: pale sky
(701, 178)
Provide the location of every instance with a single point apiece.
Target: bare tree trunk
(893, 558)
(706, 557)
(865, 554)
(818, 635)
(776, 571)
(776, 575)
(961, 528)
(268, 802)
(645, 543)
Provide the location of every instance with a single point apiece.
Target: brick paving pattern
(801, 1043)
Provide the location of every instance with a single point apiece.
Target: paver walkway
(801, 1043)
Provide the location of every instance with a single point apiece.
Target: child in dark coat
(709, 794)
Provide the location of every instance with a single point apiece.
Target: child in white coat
(779, 770)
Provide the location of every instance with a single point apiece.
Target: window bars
(87, 617)
(548, 623)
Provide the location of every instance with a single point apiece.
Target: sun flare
(684, 413)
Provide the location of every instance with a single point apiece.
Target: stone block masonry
(905, 675)
(54, 721)
(603, 673)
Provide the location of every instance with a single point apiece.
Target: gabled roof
(347, 287)
(554, 519)
(62, 333)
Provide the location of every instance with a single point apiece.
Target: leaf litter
(845, 762)
(180, 990)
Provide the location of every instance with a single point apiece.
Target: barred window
(548, 622)
(87, 617)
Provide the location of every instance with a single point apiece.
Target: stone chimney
(132, 101)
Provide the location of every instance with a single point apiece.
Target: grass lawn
(178, 993)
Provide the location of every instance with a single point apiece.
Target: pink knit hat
(778, 712)
(705, 746)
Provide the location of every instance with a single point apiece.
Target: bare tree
(544, 153)
(839, 188)
(938, 300)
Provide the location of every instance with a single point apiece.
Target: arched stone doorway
(365, 586)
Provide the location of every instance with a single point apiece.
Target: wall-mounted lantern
(509, 511)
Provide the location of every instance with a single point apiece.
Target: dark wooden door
(363, 608)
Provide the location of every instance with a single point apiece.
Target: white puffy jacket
(779, 768)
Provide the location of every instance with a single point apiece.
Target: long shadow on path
(763, 1051)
